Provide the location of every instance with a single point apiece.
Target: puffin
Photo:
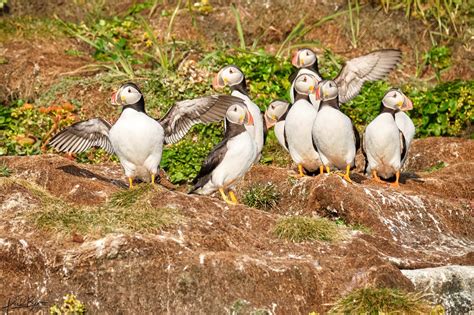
(334, 135)
(233, 77)
(385, 146)
(370, 67)
(136, 138)
(298, 126)
(275, 117)
(230, 159)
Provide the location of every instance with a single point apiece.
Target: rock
(217, 258)
(450, 286)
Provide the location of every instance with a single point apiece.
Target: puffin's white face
(274, 112)
(326, 90)
(303, 58)
(126, 95)
(305, 83)
(229, 75)
(396, 100)
(238, 114)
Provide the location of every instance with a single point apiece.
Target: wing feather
(185, 114)
(83, 135)
(373, 66)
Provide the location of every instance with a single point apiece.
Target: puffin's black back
(215, 157)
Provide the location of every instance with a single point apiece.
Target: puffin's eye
(304, 79)
(230, 70)
(394, 95)
(129, 90)
(307, 53)
(235, 109)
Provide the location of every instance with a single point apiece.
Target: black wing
(403, 146)
(373, 66)
(185, 114)
(357, 137)
(214, 158)
(82, 136)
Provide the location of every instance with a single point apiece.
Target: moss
(381, 301)
(300, 228)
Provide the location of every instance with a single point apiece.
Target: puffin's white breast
(382, 145)
(257, 129)
(334, 137)
(136, 136)
(280, 133)
(298, 129)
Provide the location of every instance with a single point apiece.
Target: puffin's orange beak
(113, 98)
(294, 59)
(317, 93)
(249, 119)
(407, 104)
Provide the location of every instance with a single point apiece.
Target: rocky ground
(213, 258)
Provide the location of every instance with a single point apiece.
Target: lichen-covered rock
(215, 258)
(450, 286)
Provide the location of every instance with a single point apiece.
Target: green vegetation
(71, 306)
(114, 216)
(356, 226)
(300, 228)
(438, 166)
(373, 301)
(262, 196)
(4, 170)
(128, 46)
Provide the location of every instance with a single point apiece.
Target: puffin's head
(303, 58)
(229, 75)
(127, 94)
(275, 111)
(396, 100)
(305, 83)
(326, 90)
(239, 115)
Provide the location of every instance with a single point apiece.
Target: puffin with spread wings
(370, 67)
(136, 138)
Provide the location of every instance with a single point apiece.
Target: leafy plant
(439, 58)
(300, 228)
(71, 306)
(262, 196)
(381, 301)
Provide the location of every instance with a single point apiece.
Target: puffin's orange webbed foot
(396, 183)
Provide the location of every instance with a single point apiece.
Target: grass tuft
(5, 171)
(300, 228)
(128, 197)
(129, 211)
(382, 301)
(438, 166)
(262, 196)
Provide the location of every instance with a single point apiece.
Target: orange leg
(321, 170)
(130, 182)
(376, 178)
(396, 184)
(300, 170)
(153, 178)
(346, 176)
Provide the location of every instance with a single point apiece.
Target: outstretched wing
(83, 135)
(185, 114)
(373, 66)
